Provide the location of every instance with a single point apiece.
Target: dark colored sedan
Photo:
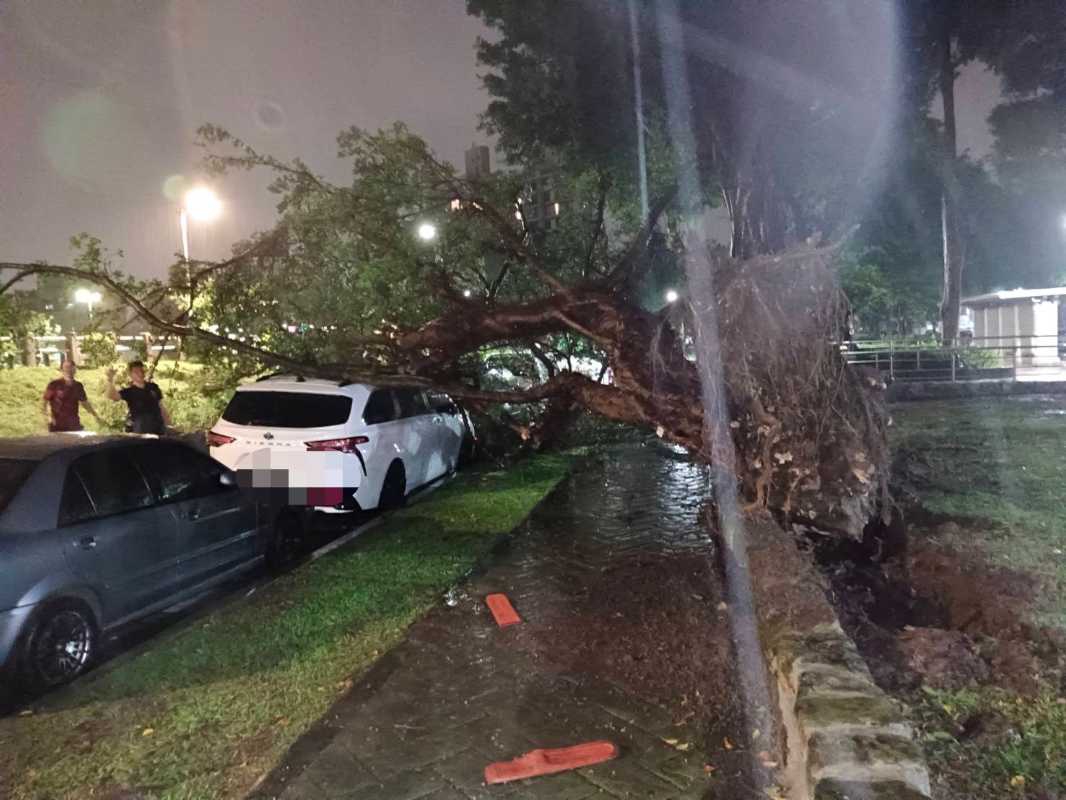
(98, 531)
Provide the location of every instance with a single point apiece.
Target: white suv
(338, 446)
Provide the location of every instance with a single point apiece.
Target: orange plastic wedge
(546, 762)
(502, 610)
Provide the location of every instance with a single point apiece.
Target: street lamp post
(183, 223)
(88, 298)
(200, 204)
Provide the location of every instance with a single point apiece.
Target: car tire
(394, 487)
(287, 540)
(59, 645)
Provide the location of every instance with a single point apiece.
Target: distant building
(477, 162)
(1028, 320)
(540, 203)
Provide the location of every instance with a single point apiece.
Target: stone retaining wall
(845, 738)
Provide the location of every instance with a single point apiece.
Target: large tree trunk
(953, 255)
(808, 432)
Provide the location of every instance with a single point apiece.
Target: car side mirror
(227, 479)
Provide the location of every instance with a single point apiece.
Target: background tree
(1023, 42)
(1030, 131)
(892, 267)
(789, 109)
(19, 318)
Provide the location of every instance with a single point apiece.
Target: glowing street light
(88, 298)
(427, 231)
(671, 296)
(466, 292)
(202, 205)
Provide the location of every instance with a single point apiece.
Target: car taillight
(347, 445)
(218, 439)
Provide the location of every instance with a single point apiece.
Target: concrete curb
(844, 738)
(902, 392)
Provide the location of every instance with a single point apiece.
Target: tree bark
(952, 245)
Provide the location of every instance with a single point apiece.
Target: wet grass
(21, 389)
(993, 743)
(998, 467)
(207, 712)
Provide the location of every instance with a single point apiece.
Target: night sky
(100, 100)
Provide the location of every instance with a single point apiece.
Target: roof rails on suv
(299, 378)
(341, 382)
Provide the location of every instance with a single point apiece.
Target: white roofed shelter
(1027, 320)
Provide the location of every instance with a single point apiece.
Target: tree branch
(601, 206)
(626, 269)
(173, 327)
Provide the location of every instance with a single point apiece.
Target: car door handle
(192, 514)
(87, 543)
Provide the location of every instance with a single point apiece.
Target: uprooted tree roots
(809, 431)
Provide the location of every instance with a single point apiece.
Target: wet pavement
(460, 693)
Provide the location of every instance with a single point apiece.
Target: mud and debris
(932, 615)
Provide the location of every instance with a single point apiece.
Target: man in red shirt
(61, 399)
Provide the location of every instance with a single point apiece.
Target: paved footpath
(459, 693)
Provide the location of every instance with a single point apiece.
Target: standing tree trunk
(953, 255)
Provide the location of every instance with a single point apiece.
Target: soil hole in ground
(924, 613)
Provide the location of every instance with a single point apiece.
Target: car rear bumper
(12, 623)
(327, 479)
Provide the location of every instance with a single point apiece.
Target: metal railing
(51, 350)
(979, 358)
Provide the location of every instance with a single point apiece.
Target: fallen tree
(807, 431)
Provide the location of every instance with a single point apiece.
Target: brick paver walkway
(459, 694)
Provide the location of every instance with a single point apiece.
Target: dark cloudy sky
(100, 100)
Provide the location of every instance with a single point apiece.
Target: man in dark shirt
(61, 399)
(144, 399)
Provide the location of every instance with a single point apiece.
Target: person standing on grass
(144, 399)
(61, 400)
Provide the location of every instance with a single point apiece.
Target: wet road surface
(460, 693)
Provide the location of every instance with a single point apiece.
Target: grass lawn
(1002, 464)
(205, 713)
(1022, 755)
(21, 389)
(999, 467)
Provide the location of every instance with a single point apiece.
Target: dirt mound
(936, 616)
(943, 659)
(975, 597)
(990, 604)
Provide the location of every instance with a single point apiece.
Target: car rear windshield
(288, 409)
(13, 473)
